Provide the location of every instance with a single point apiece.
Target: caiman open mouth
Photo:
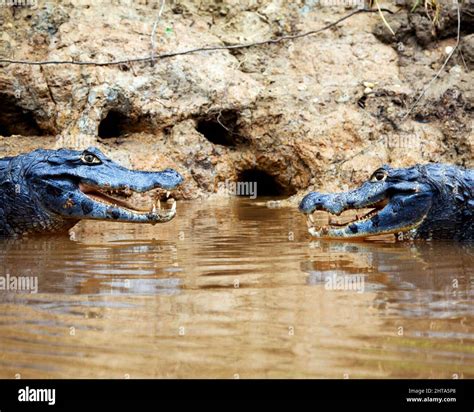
(154, 201)
(342, 222)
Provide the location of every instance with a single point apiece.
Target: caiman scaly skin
(432, 201)
(47, 191)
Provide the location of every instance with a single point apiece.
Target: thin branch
(219, 121)
(153, 32)
(383, 18)
(196, 50)
(441, 68)
(463, 61)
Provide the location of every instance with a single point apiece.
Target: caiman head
(88, 185)
(399, 200)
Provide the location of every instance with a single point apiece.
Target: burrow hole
(118, 124)
(16, 120)
(220, 128)
(267, 185)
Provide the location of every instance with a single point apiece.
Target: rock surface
(321, 111)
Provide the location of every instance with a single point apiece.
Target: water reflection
(229, 288)
(423, 278)
(70, 267)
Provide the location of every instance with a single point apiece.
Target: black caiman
(432, 201)
(47, 191)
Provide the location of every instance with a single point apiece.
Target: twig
(441, 68)
(463, 61)
(383, 18)
(196, 50)
(153, 33)
(219, 121)
(133, 69)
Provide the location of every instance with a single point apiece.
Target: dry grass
(432, 9)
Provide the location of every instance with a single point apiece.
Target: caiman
(432, 201)
(47, 191)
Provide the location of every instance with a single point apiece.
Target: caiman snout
(423, 201)
(321, 201)
(171, 179)
(310, 202)
(71, 185)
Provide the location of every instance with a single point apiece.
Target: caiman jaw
(146, 203)
(325, 231)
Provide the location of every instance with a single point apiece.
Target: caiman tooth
(308, 222)
(168, 194)
(153, 210)
(158, 204)
(310, 217)
(173, 206)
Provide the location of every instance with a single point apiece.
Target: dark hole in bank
(16, 120)
(266, 184)
(118, 124)
(113, 125)
(220, 128)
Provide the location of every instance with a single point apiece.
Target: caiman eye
(90, 159)
(379, 175)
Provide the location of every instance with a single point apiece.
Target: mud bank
(320, 111)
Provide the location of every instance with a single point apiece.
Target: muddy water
(234, 289)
